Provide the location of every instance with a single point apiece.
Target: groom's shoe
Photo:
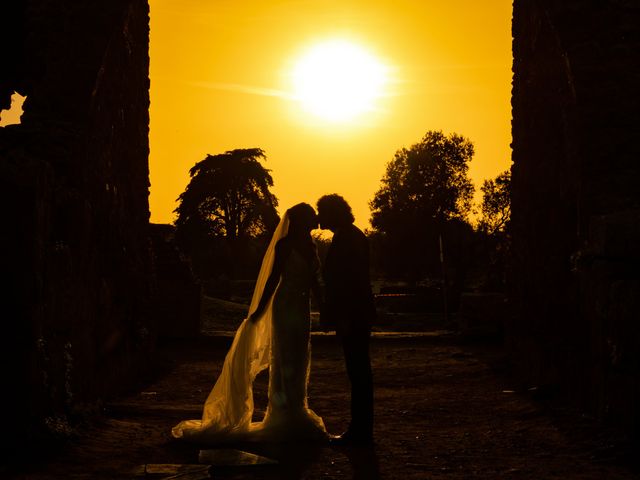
(350, 438)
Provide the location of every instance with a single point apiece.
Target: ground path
(445, 409)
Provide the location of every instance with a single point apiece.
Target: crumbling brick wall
(74, 182)
(576, 203)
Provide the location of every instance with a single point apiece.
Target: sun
(338, 80)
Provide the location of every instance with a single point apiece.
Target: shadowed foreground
(443, 410)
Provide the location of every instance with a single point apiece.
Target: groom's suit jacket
(349, 302)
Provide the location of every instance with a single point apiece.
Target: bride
(275, 335)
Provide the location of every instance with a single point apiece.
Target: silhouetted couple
(276, 335)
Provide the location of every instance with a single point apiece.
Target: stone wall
(74, 183)
(576, 203)
(177, 295)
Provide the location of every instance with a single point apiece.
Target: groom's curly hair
(336, 207)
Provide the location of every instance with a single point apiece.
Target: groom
(349, 308)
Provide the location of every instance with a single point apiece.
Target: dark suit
(350, 308)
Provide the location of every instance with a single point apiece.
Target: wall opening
(13, 115)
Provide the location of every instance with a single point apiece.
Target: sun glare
(338, 80)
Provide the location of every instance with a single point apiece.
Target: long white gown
(279, 340)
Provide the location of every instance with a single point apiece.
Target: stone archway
(75, 184)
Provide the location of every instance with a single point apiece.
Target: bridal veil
(229, 407)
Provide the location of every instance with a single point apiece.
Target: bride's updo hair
(302, 215)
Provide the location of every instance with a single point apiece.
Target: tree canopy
(228, 196)
(496, 203)
(428, 181)
(425, 193)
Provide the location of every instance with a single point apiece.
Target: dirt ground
(445, 408)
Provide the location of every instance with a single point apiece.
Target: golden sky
(221, 78)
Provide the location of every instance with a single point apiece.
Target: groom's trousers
(358, 364)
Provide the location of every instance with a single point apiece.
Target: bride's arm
(272, 281)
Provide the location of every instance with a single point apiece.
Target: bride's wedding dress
(279, 340)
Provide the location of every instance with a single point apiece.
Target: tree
(226, 203)
(427, 181)
(425, 188)
(493, 238)
(229, 196)
(496, 204)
